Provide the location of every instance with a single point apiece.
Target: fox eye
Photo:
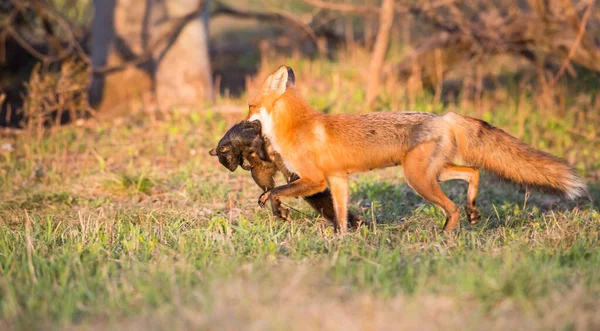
(224, 149)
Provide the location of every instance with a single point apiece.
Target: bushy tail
(494, 150)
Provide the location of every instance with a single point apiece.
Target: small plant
(53, 98)
(129, 183)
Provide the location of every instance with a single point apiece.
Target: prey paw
(285, 213)
(262, 200)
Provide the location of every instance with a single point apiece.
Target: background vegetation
(121, 219)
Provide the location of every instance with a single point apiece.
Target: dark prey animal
(244, 146)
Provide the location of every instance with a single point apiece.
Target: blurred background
(61, 60)
(529, 66)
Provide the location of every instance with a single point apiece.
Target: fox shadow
(388, 202)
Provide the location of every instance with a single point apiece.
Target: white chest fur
(266, 121)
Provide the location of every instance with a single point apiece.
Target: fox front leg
(339, 193)
(299, 188)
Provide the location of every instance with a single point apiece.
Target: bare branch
(277, 16)
(372, 10)
(177, 27)
(576, 43)
(479, 29)
(292, 18)
(45, 15)
(345, 8)
(430, 6)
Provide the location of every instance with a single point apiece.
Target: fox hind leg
(471, 176)
(421, 174)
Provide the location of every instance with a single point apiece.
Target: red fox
(324, 149)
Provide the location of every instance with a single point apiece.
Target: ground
(127, 222)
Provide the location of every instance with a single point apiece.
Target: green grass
(129, 223)
(115, 263)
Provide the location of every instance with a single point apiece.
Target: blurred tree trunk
(146, 50)
(382, 41)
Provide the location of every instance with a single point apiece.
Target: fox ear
(281, 79)
(291, 80)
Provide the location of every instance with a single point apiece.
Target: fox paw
(262, 200)
(474, 216)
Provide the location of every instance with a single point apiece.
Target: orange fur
(325, 149)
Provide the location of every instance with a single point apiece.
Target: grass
(129, 223)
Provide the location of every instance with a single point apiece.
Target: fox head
(263, 103)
